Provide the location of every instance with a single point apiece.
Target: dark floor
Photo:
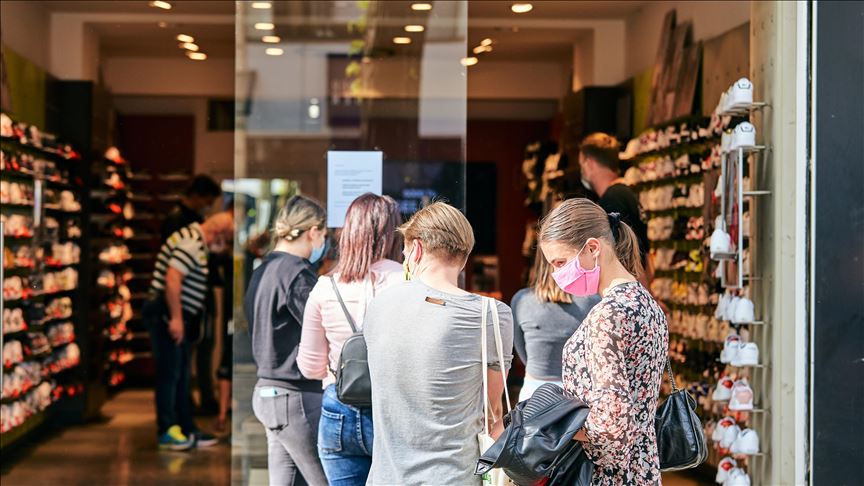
(119, 451)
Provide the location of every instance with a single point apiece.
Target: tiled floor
(119, 451)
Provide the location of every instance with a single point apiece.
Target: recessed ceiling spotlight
(486, 42)
(162, 25)
(274, 51)
(469, 61)
(160, 4)
(414, 28)
(185, 38)
(401, 40)
(262, 5)
(264, 26)
(482, 49)
(271, 39)
(521, 8)
(421, 6)
(189, 46)
(196, 56)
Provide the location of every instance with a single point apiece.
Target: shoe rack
(40, 243)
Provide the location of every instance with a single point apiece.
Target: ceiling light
(401, 40)
(261, 5)
(264, 26)
(482, 49)
(414, 28)
(521, 7)
(189, 46)
(270, 39)
(469, 61)
(196, 56)
(274, 51)
(421, 6)
(160, 4)
(162, 25)
(486, 42)
(185, 38)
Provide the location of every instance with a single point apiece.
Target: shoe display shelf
(112, 219)
(40, 217)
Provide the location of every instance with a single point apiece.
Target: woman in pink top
(369, 246)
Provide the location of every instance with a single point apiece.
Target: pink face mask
(575, 280)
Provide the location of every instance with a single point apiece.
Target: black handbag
(353, 386)
(680, 440)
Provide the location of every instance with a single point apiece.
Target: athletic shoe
(203, 439)
(740, 95)
(722, 311)
(720, 429)
(729, 436)
(742, 397)
(737, 477)
(744, 312)
(730, 348)
(726, 464)
(744, 136)
(748, 355)
(174, 440)
(721, 243)
(747, 443)
(723, 390)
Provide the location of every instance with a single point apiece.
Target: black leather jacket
(537, 446)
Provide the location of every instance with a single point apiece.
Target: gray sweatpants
(291, 419)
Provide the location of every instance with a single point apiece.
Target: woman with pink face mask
(614, 362)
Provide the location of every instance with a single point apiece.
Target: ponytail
(627, 250)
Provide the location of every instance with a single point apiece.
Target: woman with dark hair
(545, 317)
(369, 246)
(614, 362)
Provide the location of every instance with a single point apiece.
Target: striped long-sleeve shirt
(186, 252)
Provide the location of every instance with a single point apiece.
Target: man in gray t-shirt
(427, 383)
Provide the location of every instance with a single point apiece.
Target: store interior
(477, 103)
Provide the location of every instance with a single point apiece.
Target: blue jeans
(344, 441)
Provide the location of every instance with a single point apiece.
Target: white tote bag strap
(484, 357)
(499, 347)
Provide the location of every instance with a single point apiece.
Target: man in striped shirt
(174, 315)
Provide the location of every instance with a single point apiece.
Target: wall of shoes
(693, 179)
(40, 193)
(111, 215)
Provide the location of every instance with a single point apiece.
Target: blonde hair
(576, 220)
(299, 215)
(443, 229)
(544, 285)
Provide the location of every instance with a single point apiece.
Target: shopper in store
(174, 316)
(197, 198)
(601, 173)
(545, 317)
(284, 401)
(424, 351)
(615, 360)
(369, 246)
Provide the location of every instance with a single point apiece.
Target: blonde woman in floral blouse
(614, 362)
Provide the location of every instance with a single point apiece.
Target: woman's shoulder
(385, 265)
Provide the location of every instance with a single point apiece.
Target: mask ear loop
(596, 256)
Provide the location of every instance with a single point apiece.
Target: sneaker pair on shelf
(174, 439)
(737, 99)
(729, 474)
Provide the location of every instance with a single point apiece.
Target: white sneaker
(742, 397)
(744, 312)
(740, 95)
(744, 136)
(737, 477)
(747, 443)
(722, 310)
(721, 243)
(723, 390)
(729, 436)
(720, 429)
(726, 464)
(730, 348)
(748, 355)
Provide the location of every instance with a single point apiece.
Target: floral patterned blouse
(614, 363)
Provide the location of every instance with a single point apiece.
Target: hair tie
(614, 223)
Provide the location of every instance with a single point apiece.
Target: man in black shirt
(199, 196)
(599, 166)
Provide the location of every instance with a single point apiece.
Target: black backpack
(353, 386)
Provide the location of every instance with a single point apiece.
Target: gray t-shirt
(542, 328)
(427, 383)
